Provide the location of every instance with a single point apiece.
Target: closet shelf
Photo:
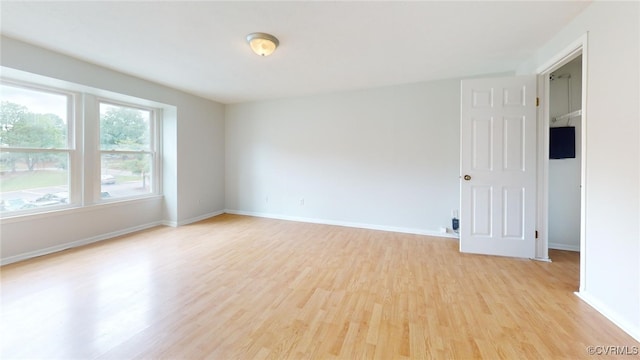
(568, 116)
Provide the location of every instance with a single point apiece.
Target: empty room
(319, 179)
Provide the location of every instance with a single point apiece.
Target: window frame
(83, 143)
(71, 148)
(154, 151)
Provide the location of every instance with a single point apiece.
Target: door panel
(482, 140)
(514, 143)
(481, 222)
(498, 133)
(513, 211)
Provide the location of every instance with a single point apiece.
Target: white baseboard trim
(193, 219)
(343, 223)
(614, 317)
(567, 247)
(74, 244)
(170, 223)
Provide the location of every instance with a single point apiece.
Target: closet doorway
(562, 84)
(565, 156)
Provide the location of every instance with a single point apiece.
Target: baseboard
(343, 223)
(169, 223)
(194, 219)
(77, 243)
(566, 247)
(614, 317)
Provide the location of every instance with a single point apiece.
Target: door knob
(467, 177)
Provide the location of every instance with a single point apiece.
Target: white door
(498, 166)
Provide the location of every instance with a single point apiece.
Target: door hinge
(537, 101)
(536, 234)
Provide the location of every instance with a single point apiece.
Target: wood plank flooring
(235, 287)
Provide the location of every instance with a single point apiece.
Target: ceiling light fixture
(262, 44)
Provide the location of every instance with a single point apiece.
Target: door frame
(575, 49)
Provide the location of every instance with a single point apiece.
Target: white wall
(193, 144)
(383, 158)
(200, 170)
(565, 174)
(612, 184)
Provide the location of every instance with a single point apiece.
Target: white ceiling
(200, 47)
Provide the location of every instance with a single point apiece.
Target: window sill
(72, 209)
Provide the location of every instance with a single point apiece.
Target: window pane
(33, 180)
(33, 119)
(123, 128)
(125, 175)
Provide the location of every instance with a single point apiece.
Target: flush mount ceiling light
(262, 44)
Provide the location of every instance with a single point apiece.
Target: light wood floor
(236, 287)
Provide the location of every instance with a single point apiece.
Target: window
(36, 147)
(127, 155)
(53, 156)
